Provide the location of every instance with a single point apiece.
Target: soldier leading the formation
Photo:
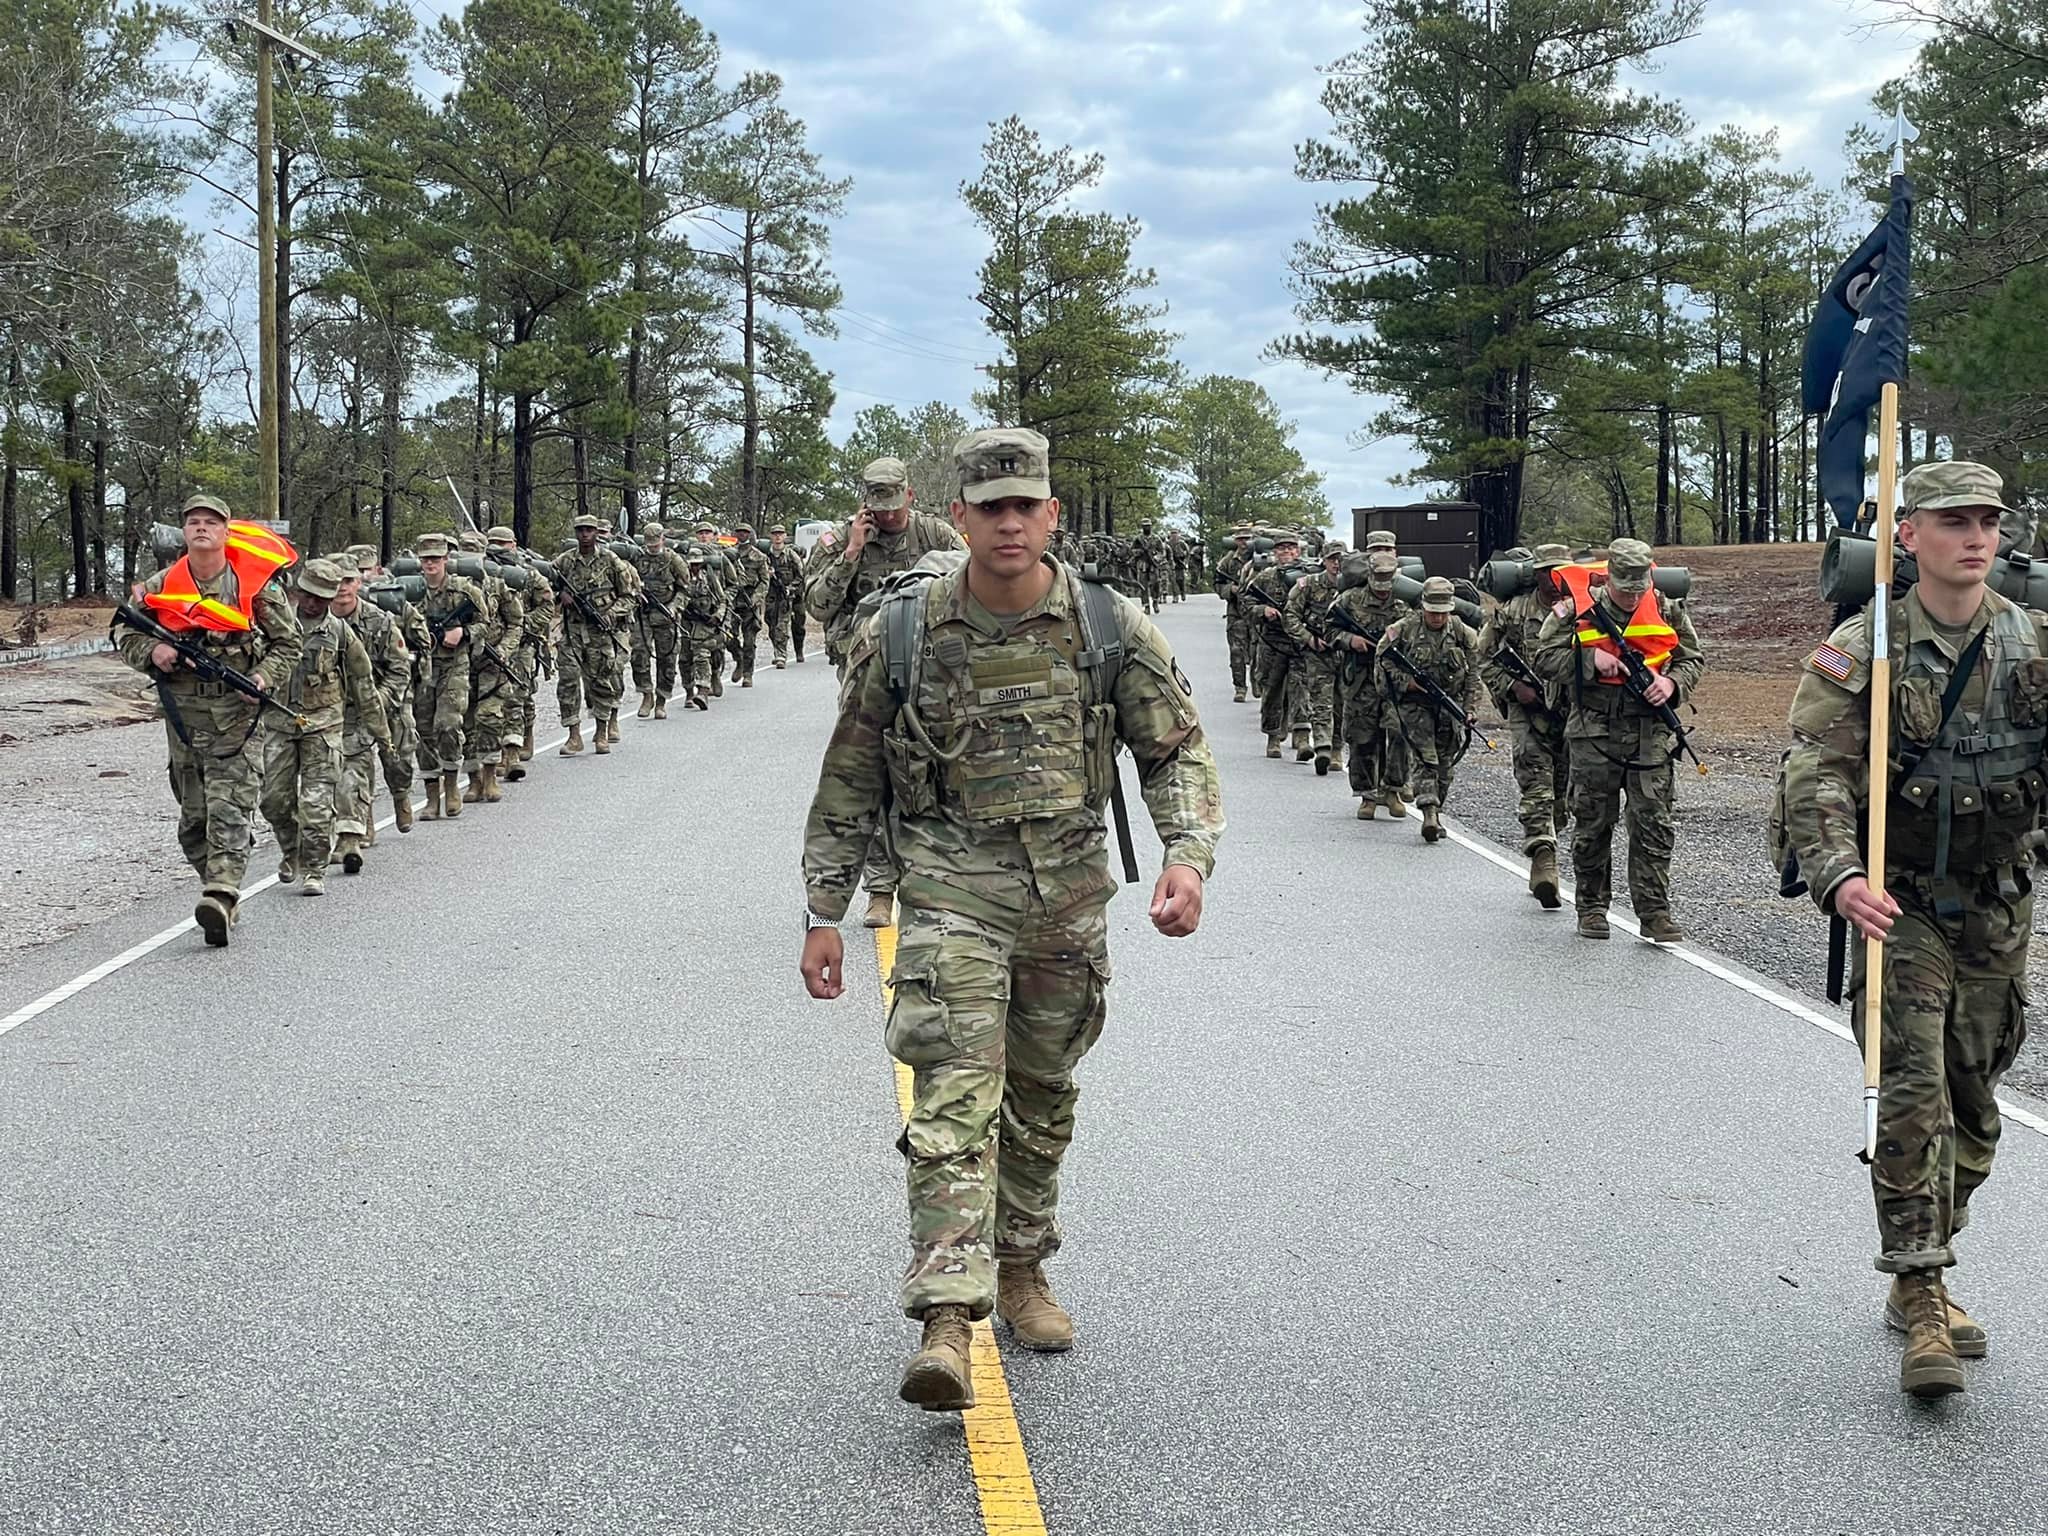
(1034, 675)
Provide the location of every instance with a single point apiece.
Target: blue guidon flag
(1858, 337)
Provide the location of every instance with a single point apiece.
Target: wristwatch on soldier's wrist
(812, 920)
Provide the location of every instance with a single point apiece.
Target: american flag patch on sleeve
(1829, 662)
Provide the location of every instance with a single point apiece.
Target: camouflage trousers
(438, 709)
(1178, 575)
(1240, 636)
(654, 654)
(587, 672)
(1315, 688)
(1148, 587)
(991, 1014)
(402, 751)
(355, 804)
(746, 640)
(490, 713)
(1433, 747)
(1280, 673)
(301, 783)
(786, 627)
(1542, 771)
(1378, 760)
(215, 779)
(1603, 769)
(1955, 994)
(699, 659)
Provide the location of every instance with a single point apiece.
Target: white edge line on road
(1713, 967)
(156, 941)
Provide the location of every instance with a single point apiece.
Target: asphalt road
(516, 1187)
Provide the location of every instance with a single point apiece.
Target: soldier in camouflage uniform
(1616, 741)
(1957, 912)
(700, 604)
(212, 728)
(719, 566)
(526, 650)
(998, 986)
(1306, 619)
(1534, 709)
(454, 610)
(1148, 565)
(1229, 578)
(785, 598)
(851, 561)
(399, 756)
(657, 620)
(1379, 756)
(1177, 564)
(1444, 650)
(1283, 660)
(493, 688)
(746, 587)
(355, 817)
(302, 762)
(594, 629)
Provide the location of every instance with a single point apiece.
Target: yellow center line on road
(995, 1445)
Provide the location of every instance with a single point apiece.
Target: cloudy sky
(1196, 109)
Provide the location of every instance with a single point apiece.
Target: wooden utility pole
(268, 397)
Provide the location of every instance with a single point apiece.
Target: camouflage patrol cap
(587, 520)
(1335, 547)
(211, 505)
(696, 554)
(744, 534)
(1003, 461)
(1285, 536)
(706, 527)
(365, 554)
(319, 578)
(1549, 557)
(1240, 532)
(1382, 562)
(1628, 562)
(652, 531)
(1519, 553)
(471, 541)
(1959, 483)
(1380, 538)
(346, 564)
(1438, 596)
(501, 535)
(885, 485)
(430, 546)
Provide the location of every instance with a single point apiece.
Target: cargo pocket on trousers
(919, 1031)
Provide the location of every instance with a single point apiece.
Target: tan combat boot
(661, 706)
(1396, 806)
(1593, 922)
(1964, 1331)
(1930, 1367)
(475, 792)
(492, 794)
(1659, 928)
(401, 807)
(940, 1376)
(1237, 697)
(1322, 762)
(431, 811)
(602, 739)
(1432, 827)
(646, 709)
(510, 766)
(526, 747)
(881, 909)
(1543, 878)
(611, 727)
(1025, 1301)
(451, 795)
(1367, 808)
(214, 917)
(1273, 745)
(350, 847)
(575, 742)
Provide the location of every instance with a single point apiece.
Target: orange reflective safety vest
(1647, 633)
(255, 554)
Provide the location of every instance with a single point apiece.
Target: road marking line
(1703, 962)
(995, 1443)
(157, 941)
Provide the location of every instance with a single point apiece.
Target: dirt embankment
(25, 624)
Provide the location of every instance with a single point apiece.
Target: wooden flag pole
(1880, 750)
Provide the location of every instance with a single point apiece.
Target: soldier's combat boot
(1322, 762)
(611, 727)
(350, 847)
(526, 747)
(601, 740)
(316, 885)
(1658, 928)
(1930, 1367)
(735, 673)
(1396, 806)
(431, 811)
(575, 742)
(646, 709)
(1593, 922)
(1964, 1331)
(881, 909)
(214, 917)
(510, 766)
(401, 808)
(698, 701)
(661, 706)
(1367, 807)
(781, 665)
(1237, 697)
(475, 792)
(939, 1378)
(1025, 1301)
(287, 870)
(1543, 878)
(1273, 744)
(1302, 750)
(718, 685)
(1337, 756)
(451, 795)
(492, 794)
(1432, 828)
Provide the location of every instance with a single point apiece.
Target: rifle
(210, 668)
(649, 600)
(1438, 700)
(1518, 664)
(461, 616)
(1639, 677)
(583, 607)
(1341, 617)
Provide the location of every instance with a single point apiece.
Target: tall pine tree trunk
(387, 464)
(10, 485)
(522, 465)
(750, 401)
(99, 499)
(282, 278)
(1663, 473)
(74, 491)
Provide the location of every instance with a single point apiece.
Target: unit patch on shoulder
(828, 538)
(1829, 662)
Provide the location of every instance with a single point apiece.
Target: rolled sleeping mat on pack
(511, 572)
(625, 549)
(1411, 566)
(1848, 573)
(388, 594)
(544, 569)
(1509, 579)
(405, 565)
(1354, 572)
(1409, 590)
(471, 566)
